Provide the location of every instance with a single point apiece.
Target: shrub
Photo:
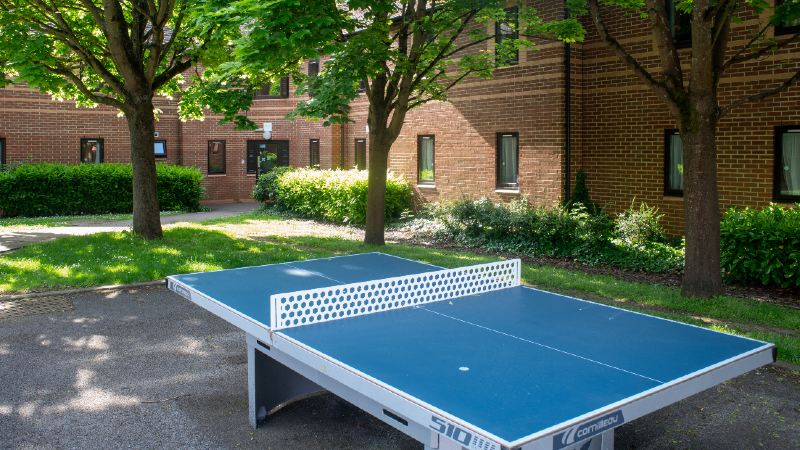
(640, 226)
(333, 195)
(762, 246)
(561, 231)
(266, 185)
(59, 189)
(580, 195)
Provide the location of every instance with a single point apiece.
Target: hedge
(332, 195)
(762, 246)
(60, 189)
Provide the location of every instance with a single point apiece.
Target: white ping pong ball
(463, 369)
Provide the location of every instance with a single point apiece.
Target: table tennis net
(311, 306)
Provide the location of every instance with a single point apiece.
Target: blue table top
(247, 289)
(535, 359)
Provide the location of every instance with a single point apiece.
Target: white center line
(541, 345)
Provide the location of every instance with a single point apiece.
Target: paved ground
(146, 369)
(20, 237)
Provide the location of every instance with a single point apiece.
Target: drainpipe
(341, 146)
(567, 116)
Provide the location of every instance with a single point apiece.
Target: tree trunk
(146, 217)
(376, 194)
(702, 276)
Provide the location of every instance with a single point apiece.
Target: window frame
(157, 141)
(673, 15)
(498, 159)
(224, 157)
(669, 192)
(432, 181)
(499, 37)
(311, 149)
(100, 141)
(355, 153)
(284, 91)
(778, 165)
(785, 29)
(3, 151)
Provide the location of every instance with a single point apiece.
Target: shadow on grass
(117, 258)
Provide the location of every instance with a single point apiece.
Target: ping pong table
(461, 358)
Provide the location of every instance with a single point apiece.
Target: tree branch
(761, 95)
(78, 82)
(740, 56)
(626, 57)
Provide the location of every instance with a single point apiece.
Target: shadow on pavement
(145, 368)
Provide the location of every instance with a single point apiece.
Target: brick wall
(617, 128)
(622, 125)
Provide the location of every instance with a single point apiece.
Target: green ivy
(332, 195)
(60, 189)
(762, 246)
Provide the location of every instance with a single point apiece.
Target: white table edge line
(626, 401)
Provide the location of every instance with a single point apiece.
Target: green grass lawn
(57, 221)
(117, 258)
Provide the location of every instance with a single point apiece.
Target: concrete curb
(109, 287)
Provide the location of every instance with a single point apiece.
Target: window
(270, 90)
(507, 160)
(361, 154)
(2, 151)
(216, 157)
(673, 163)
(91, 150)
(503, 31)
(262, 156)
(160, 149)
(313, 71)
(313, 68)
(680, 24)
(425, 159)
(313, 153)
(787, 163)
(786, 26)
(362, 86)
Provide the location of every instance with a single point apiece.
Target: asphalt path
(144, 368)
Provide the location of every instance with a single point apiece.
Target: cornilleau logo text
(587, 430)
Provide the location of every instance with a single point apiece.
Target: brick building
(556, 111)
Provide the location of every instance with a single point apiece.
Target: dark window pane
(313, 68)
(362, 86)
(790, 20)
(361, 154)
(160, 149)
(216, 157)
(425, 158)
(313, 71)
(2, 151)
(673, 163)
(788, 163)
(507, 159)
(271, 90)
(313, 153)
(91, 151)
(504, 31)
(680, 25)
(252, 156)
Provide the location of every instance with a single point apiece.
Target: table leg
(270, 384)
